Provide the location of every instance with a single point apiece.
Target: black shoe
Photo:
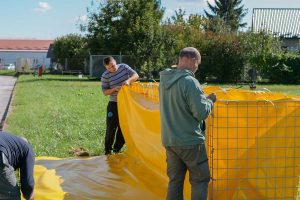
(117, 151)
(107, 153)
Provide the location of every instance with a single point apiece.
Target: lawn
(6, 72)
(287, 89)
(57, 113)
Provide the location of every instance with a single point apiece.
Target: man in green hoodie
(183, 109)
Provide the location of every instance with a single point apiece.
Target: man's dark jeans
(113, 126)
(9, 189)
(191, 158)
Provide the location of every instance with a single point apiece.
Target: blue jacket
(183, 107)
(20, 156)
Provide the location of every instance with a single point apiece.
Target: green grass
(5, 72)
(287, 89)
(57, 113)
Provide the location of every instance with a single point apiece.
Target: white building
(281, 22)
(24, 52)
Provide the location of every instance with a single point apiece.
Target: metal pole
(91, 65)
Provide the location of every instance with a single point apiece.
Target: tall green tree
(196, 21)
(70, 51)
(230, 11)
(259, 47)
(178, 17)
(130, 27)
(181, 31)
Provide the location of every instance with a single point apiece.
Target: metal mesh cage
(254, 149)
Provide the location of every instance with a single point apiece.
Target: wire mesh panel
(253, 145)
(148, 90)
(96, 64)
(96, 67)
(254, 149)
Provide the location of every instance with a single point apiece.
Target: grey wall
(39, 58)
(292, 44)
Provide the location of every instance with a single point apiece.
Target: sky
(49, 19)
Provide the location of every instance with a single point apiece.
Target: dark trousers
(9, 189)
(191, 158)
(113, 128)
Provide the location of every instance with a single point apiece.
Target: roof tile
(282, 22)
(25, 44)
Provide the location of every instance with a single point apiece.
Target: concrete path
(7, 84)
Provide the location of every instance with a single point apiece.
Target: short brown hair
(107, 60)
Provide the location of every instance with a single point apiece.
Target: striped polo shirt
(111, 80)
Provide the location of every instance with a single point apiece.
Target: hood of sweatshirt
(170, 76)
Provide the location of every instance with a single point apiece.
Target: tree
(260, 47)
(178, 18)
(180, 31)
(72, 47)
(142, 20)
(216, 25)
(196, 21)
(230, 11)
(127, 27)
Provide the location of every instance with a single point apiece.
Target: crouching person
(15, 153)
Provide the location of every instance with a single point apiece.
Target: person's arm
(26, 175)
(133, 76)
(212, 97)
(111, 91)
(106, 87)
(200, 105)
(132, 79)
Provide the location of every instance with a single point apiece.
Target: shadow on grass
(71, 79)
(7, 73)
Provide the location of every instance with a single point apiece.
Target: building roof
(25, 45)
(282, 22)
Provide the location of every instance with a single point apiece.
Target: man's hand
(116, 89)
(127, 82)
(31, 196)
(133, 78)
(212, 97)
(111, 90)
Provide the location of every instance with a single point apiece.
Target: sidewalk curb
(7, 107)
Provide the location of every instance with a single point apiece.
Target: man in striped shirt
(112, 80)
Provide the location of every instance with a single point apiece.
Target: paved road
(6, 87)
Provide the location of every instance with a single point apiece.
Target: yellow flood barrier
(253, 142)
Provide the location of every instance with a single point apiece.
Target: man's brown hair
(107, 60)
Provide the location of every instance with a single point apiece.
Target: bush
(283, 68)
(223, 59)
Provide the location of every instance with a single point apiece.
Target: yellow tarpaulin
(253, 146)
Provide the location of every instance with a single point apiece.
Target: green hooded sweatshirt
(183, 108)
